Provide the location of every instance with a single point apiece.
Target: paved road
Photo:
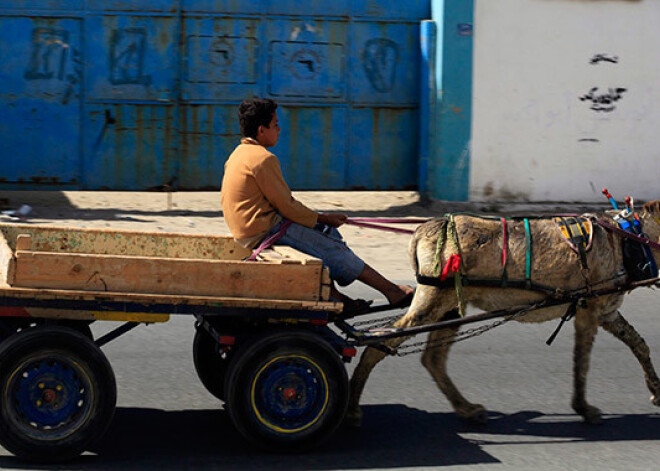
(166, 420)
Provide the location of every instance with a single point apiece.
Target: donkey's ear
(652, 206)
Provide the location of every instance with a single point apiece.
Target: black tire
(210, 365)
(12, 325)
(287, 391)
(57, 393)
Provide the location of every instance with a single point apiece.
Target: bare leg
(616, 325)
(435, 361)
(585, 332)
(393, 292)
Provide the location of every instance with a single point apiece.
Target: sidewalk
(200, 212)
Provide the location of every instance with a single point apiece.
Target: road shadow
(393, 436)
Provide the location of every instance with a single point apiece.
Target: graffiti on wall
(598, 58)
(127, 53)
(603, 101)
(48, 57)
(305, 64)
(379, 59)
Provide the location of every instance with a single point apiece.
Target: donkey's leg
(435, 361)
(586, 326)
(424, 309)
(616, 325)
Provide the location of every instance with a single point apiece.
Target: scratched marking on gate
(305, 64)
(379, 58)
(127, 53)
(221, 52)
(50, 48)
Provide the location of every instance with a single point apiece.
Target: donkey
(553, 261)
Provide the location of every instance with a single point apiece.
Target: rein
(626, 234)
(369, 223)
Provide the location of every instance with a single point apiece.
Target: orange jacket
(254, 195)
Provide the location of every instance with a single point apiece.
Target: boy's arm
(271, 183)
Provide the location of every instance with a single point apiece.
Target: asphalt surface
(166, 420)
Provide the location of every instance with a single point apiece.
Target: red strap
(453, 265)
(505, 242)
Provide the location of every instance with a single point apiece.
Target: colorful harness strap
(578, 232)
(528, 255)
(505, 250)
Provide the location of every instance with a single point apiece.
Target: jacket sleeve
(271, 183)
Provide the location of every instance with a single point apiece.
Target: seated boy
(257, 203)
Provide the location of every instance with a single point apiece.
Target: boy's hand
(332, 219)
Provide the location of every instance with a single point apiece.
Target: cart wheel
(57, 393)
(287, 391)
(211, 367)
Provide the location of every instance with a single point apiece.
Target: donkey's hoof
(353, 419)
(655, 400)
(475, 413)
(591, 415)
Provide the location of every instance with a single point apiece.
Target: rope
(368, 223)
(452, 241)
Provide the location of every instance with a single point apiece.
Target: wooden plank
(293, 254)
(149, 299)
(271, 255)
(7, 263)
(119, 242)
(89, 272)
(23, 242)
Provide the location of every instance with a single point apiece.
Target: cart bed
(54, 268)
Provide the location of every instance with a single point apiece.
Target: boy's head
(253, 113)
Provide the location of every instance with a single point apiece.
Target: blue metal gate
(138, 94)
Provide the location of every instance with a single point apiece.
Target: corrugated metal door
(150, 99)
(40, 81)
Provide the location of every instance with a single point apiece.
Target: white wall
(532, 137)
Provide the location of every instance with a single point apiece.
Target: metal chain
(460, 336)
(380, 322)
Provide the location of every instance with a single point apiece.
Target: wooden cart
(262, 341)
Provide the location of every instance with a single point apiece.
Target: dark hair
(255, 112)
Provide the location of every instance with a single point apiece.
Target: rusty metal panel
(133, 5)
(208, 134)
(306, 59)
(40, 75)
(23, 5)
(162, 79)
(384, 148)
(312, 147)
(392, 9)
(223, 6)
(130, 146)
(131, 58)
(221, 58)
(385, 63)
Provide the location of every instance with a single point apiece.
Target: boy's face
(268, 136)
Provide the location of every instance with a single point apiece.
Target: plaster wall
(566, 100)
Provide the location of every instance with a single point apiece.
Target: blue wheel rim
(289, 394)
(48, 396)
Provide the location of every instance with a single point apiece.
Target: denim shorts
(324, 242)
